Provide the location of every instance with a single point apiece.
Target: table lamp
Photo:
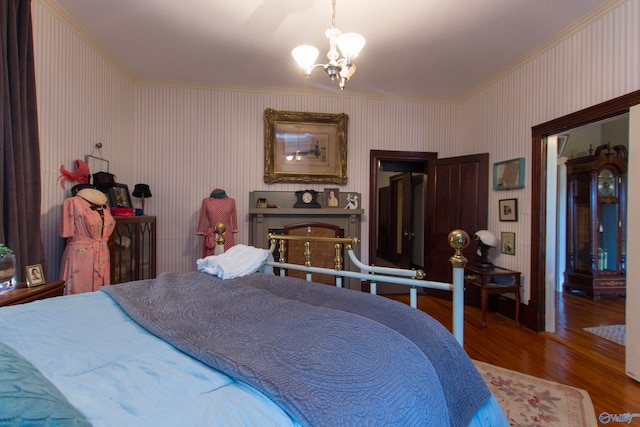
(487, 241)
(142, 191)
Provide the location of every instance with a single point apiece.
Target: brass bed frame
(414, 279)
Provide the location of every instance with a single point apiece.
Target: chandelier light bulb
(351, 44)
(341, 69)
(305, 56)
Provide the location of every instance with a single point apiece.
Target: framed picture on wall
(508, 174)
(508, 209)
(508, 243)
(305, 147)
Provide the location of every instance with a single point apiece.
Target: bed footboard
(414, 279)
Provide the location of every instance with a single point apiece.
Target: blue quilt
(328, 356)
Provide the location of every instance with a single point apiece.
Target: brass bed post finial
(219, 228)
(458, 240)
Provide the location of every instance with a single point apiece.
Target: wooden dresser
(22, 294)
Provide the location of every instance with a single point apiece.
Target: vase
(8, 278)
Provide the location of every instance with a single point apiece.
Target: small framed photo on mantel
(331, 198)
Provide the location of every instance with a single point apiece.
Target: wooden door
(384, 223)
(461, 189)
(401, 219)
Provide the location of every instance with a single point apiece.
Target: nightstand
(497, 281)
(22, 294)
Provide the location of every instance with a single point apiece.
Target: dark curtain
(19, 151)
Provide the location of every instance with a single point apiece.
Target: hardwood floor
(571, 356)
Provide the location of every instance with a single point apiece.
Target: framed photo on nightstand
(35, 276)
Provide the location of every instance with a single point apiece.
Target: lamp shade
(487, 237)
(305, 56)
(141, 190)
(351, 44)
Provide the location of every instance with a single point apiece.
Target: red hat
(81, 174)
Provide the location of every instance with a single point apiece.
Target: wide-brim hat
(93, 196)
(78, 187)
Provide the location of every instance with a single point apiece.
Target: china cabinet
(132, 248)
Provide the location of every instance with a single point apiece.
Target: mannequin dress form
(218, 207)
(86, 224)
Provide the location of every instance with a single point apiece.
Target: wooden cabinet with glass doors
(132, 248)
(596, 223)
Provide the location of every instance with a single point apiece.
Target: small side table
(497, 281)
(22, 294)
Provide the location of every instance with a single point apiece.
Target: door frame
(428, 160)
(535, 313)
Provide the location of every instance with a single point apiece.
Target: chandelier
(350, 44)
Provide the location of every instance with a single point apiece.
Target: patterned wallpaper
(186, 140)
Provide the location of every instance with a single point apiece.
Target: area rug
(615, 333)
(530, 401)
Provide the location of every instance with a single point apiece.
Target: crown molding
(69, 21)
(563, 35)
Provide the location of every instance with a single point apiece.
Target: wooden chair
(322, 253)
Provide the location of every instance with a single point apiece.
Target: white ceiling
(428, 48)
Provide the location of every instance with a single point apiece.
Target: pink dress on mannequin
(85, 264)
(213, 210)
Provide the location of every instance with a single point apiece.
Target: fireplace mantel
(266, 220)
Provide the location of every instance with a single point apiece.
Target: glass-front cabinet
(132, 249)
(596, 223)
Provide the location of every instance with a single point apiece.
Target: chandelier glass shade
(338, 68)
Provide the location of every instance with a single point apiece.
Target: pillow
(27, 398)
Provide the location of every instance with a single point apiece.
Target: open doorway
(538, 302)
(576, 144)
(398, 197)
(536, 313)
(447, 194)
(401, 217)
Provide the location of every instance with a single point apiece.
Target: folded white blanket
(237, 261)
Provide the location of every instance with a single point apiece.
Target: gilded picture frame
(305, 147)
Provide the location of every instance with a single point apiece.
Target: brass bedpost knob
(458, 240)
(219, 228)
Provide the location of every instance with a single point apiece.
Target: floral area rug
(615, 333)
(530, 401)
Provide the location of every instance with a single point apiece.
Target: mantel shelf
(305, 211)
